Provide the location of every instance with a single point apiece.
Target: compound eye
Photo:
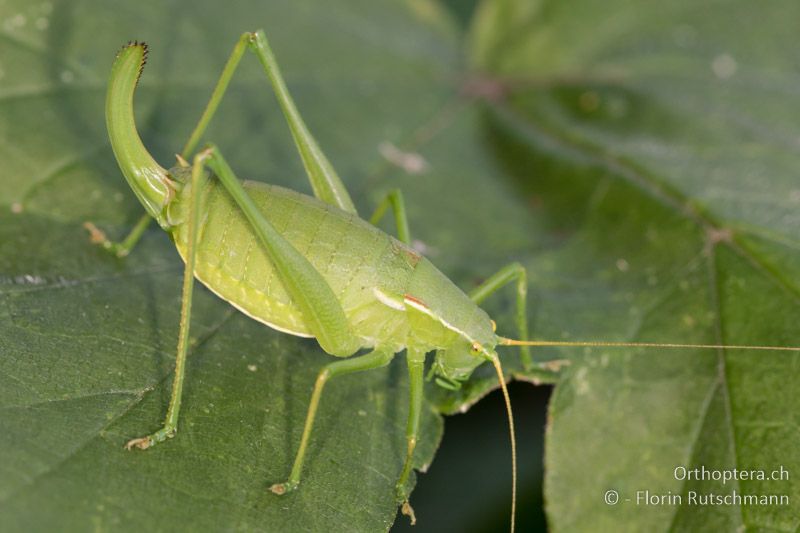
(475, 348)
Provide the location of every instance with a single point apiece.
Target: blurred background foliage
(638, 158)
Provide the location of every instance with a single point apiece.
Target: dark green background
(639, 159)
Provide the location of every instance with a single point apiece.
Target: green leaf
(659, 143)
(88, 341)
(638, 161)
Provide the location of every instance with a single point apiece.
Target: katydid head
(455, 364)
(463, 352)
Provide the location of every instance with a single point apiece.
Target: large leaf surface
(640, 168)
(662, 141)
(87, 340)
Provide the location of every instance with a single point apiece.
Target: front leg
(514, 272)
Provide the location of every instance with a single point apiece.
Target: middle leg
(374, 359)
(416, 367)
(394, 199)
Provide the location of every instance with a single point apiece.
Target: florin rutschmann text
(692, 497)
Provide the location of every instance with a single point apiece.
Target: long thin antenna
(513, 342)
(501, 379)
(503, 341)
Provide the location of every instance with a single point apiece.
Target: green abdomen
(354, 257)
